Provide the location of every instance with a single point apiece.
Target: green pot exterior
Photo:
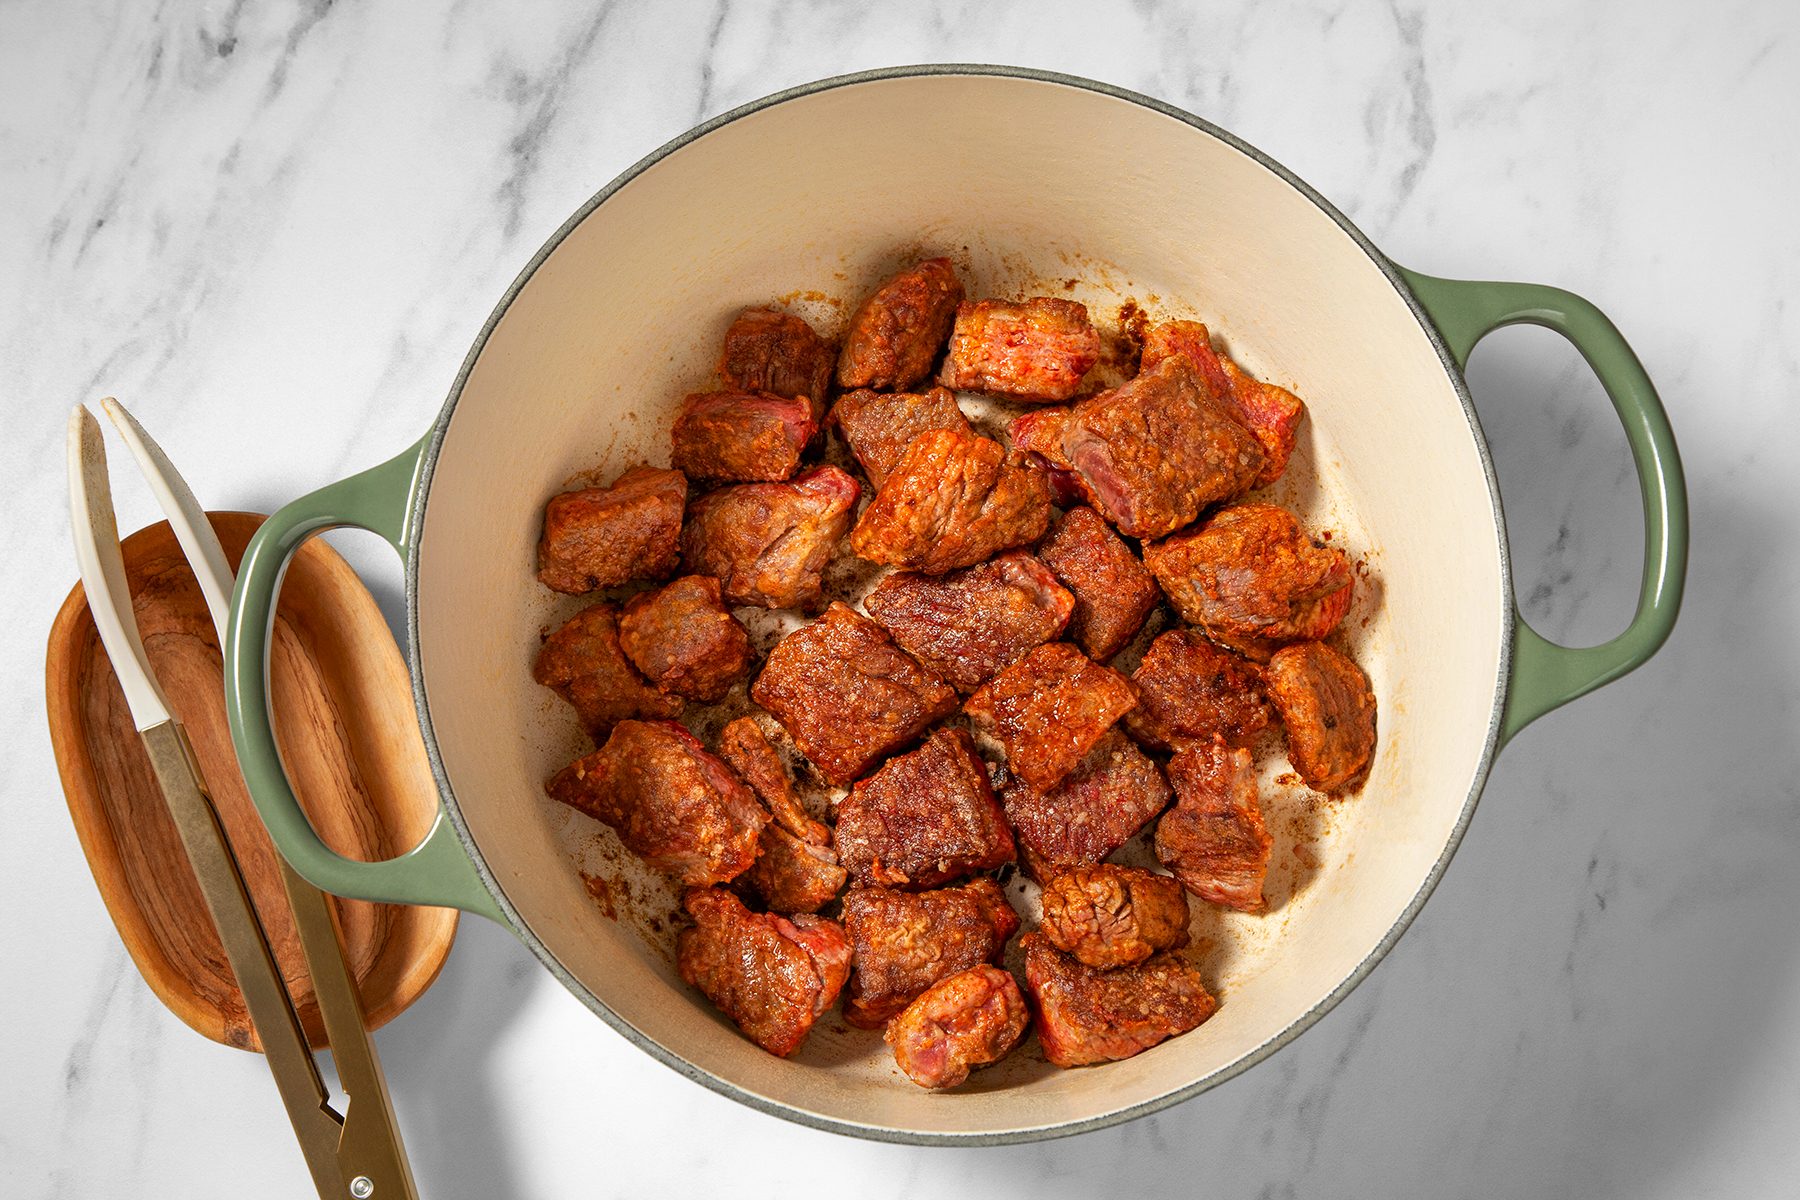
(1544, 674)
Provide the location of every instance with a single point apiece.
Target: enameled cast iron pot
(1026, 178)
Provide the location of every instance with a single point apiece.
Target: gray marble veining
(274, 228)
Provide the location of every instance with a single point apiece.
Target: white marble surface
(274, 228)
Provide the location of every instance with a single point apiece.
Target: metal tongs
(355, 1151)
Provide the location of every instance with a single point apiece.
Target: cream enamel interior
(1024, 181)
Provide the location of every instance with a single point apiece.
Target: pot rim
(521, 929)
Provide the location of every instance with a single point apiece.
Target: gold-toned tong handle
(247, 949)
(369, 1152)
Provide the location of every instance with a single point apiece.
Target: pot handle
(1544, 674)
(437, 871)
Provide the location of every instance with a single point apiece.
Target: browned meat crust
(968, 624)
(1189, 690)
(907, 941)
(1113, 591)
(924, 818)
(1035, 350)
(879, 426)
(1090, 1016)
(684, 640)
(896, 333)
(1110, 916)
(768, 543)
(773, 976)
(1213, 840)
(951, 501)
(602, 537)
(971, 1019)
(585, 665)
(846, 694)
(1252, 578)
(1049, 709)
(1111, 795)
(672, 803)
(1329, 710)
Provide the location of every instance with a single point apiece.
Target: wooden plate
(344, 719)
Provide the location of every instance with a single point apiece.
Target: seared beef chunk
(1329, 711)
(968, 624)
(794, 876)
(907, 941)
(777, 352)
(1090, 1016)
(1151, 453)
(951, 501)
(1213, 839)
(1113, 591)
(1049, 709)
(768, 543)
(585, 665)
(1110, 916)
(672, 803)
(1037, 350)
(729, 437)
(1189, 690)
(973, 1018)
(924, 818)
(1037, 440)
(683, 639)
(602, 537)
(1093, 812)
(879, 426)
(1271, 413)
(747, 749)
(1251, 577)
(772, 976)
(897, 332)
(846, 694)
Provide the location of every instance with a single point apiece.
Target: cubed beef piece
(1153, 452)
(924, 818)
(777, 352)
(846, 694)
(773, 976)
(744, 745)
(1271, 413)
(951, 501)
(1037, 441)
(1085, 1015)
(794, 876)
(731, 437)
(1104, 801)
(1190, 690)
(971, 1019)
(1109, 916)
(602, 537)
(896, 333)
(1113, 591)
(672, 803)
(684, 640)
(879, 426)
(585, 665)
(1049, 709)
(1213, 839)
(1252, 578)
(1328, 709)
(768, 543)
(907, 941)
(968, 624)
(1036, 350)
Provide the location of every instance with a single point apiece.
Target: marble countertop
(274, 228)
